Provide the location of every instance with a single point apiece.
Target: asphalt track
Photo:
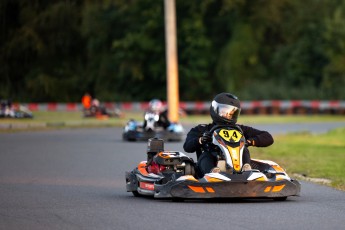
(74, 179)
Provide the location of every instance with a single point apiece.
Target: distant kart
(101, 112)
(9, 110)
(134, 130)
(23, 112)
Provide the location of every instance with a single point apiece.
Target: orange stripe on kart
(212, 179)
(278, 168)
(268, 188)
(142, 168)
(209, 189)
(201, 189)
(163, 155)
(278, 188)
(197, 189)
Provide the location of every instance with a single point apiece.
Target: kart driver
(224, 110)
(156, 107)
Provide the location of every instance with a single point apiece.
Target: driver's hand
(205, 138)
(250, 142)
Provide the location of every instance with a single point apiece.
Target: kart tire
(177, 199)
(280, 198)
(136, 194)
(127, 137)
(189, 169)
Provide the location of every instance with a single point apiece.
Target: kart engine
(160, 161)
(154, 146)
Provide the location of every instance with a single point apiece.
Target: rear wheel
(189, 169)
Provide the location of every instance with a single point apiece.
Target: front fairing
(231, 143)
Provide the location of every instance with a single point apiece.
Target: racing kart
(137, 131)
(172, 174)
(9, 110)
(101, 111)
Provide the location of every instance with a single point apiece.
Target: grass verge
(308, 155)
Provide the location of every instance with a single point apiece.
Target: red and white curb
(247, 106)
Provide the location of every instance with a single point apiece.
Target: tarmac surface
(75, 179)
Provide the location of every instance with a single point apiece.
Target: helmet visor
(228, 112)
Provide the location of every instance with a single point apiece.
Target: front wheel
(136, 194)
(280, 198)
(177, 199)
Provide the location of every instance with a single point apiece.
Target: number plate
(230, 135)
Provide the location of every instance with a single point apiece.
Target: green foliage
(40, 55)
(194, 50)
(125, 49)
(115, 49)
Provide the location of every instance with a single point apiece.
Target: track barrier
(248, 107)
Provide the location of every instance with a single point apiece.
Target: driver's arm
(192, 143)
(258, 138)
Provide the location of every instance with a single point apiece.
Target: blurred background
(55, 51)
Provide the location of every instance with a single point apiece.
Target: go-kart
(9, 110)
(171, 174)
(101, 111)
(137, 131)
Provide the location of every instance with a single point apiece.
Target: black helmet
(225, 109)
(156, 105)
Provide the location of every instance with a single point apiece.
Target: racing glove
(250, 142)
(205, 138)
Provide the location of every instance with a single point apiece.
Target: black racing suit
(163, 120)
(207, 161)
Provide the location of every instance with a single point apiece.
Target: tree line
(115, 49)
